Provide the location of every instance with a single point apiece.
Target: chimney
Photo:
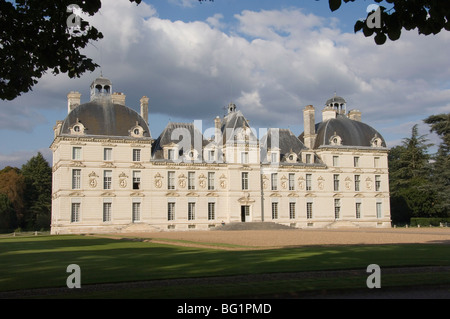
(354, 115)
(73, 100)
(217, 132)
(328, 113)
(118, 98)
(144, 108)
(309, 123)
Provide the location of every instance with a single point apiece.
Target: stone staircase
(252, 226)
(342, 224)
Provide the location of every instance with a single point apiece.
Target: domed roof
(105, 118)
(342, 131)
(336, 99)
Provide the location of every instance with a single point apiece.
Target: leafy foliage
(34, 39)
(427, 16)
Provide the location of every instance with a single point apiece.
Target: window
(170, 154)
(291, 182)
(75, 213)
(136, 179)
(191, 211)
(357, 182)
(211, 211)
(377, 183)
(274, 157)
(275, 210)
(356, 161)
(170, 180)
(191, 180)
(211, 155)
(107, 154)
(274, 181)
(358, 210)
(337, 208)
(335, 161)
(136, 212)
(107, 179)
(376, 162)
(309, 210)
(336, 182)
(107, 212)
(76, 179)
(244, 180)
(136, 155)
(379, 214)
(170, 211)
(76, 153)
(308, 182)
(292, 210)
(244, 158)
(308, 158)
(211, 181)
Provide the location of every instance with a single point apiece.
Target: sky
(270, 58)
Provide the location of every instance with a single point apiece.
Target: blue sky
(271, 58)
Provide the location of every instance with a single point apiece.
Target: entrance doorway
(245, 213)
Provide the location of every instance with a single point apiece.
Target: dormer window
(77, 129)
(376, 141)
(137, 131)
(335, 140)
(291, 158)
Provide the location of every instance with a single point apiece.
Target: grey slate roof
(102, 117)
(353, 133)
(284, 139)
(231, 124)
(184, 134)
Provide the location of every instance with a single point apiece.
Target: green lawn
(41, 261)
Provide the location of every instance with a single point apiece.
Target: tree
(410, 185)
(34, 39)
(440, 124)
(38, 190)
(427, 16)
(12, 185)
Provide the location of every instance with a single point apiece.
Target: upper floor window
(170, 180)
(335, 161)
(244, 180)
(356, 161)
(76, 153)
(107, 179)
(274, 181)
(336, 182)
(291, 181)
(211, 181)
(191, 180)
(107, 154)
(136, 179)
(136, 155)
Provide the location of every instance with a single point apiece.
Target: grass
(41, 261)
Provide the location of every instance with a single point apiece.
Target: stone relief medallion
(223, 184)
(93, 179)
(202, 181)
(122, 180)
(320, 182)
(158, 180)
(368, 183)
(348, 183)
(301, 183)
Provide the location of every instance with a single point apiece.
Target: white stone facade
(117, 183)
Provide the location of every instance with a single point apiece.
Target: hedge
(423, 221)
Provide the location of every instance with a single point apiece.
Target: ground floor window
(337, 208)
(191, 211)
(274, 210)
(211, 211)
(309, 210)
(75, 213)
(136, 212)
(292, 210)
(107, 207)
(379, 214)
(170, 211)
(358, 210)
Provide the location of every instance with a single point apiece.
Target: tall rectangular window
(76, 179)
(308, 158)
(107, 154)
(337, 208)
(357, 183)
(377, 183)
(170, 154)
(75, 212)
(210, 180)
(244, 158)
(275, 210)
(107, 208)
(211, 211)
(191, 180)
(376, 162)
(274, 181)
(211, 156)
(76, 153)
(136, 214)
(244, 180)
(309, 210)
(274, 157)
(292, 210)
(358, 210)
(107, 179)
(170, 180)
(136, 179)
(336, 182)
(170, 211)
(379, 212)
(356, 161)
(291, 182)
(191, 211)
(308, 182)
(136, 155)
(335, 161)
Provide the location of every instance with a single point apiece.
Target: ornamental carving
(123, 180)
(158, 180)
(320, 181)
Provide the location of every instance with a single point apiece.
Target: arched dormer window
(335, 139)
(291, 157)
(77, 129)
(137, 131)
(376, 141)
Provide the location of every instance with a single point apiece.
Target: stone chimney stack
(144, 108)
(328, 113)
(217, 132)
(354, 115)
(309, 123)
(118, 98)
(73, 100)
